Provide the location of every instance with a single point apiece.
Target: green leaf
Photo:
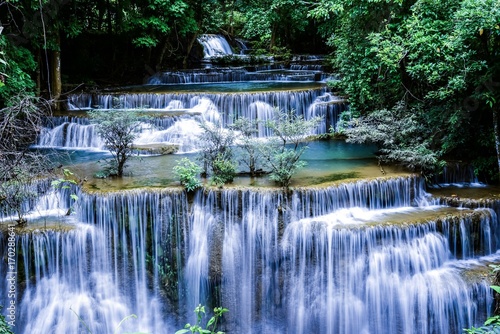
(211, 321)
(182, 331)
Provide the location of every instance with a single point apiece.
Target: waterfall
(230, 105)
(297, 73)
(104, 264)
(77, 132)
(285, 265)
(457, 174)
(328, 106)
(383, 279)
(327, 260)
(215, 45)
(72, 135)
(212, 107)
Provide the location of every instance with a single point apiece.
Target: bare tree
(20, 124)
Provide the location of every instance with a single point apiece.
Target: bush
(223, 171)
(187, 172)
(216, 152)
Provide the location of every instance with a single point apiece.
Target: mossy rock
(160, 149)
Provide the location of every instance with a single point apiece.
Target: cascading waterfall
(296, 73)
(193, 107)
(320, 260)
(77, 132)
(215, 45)
(280, 268)
(379, 279)
(231, 105)
(72, 135)
(329, 107)
(115, 258)
(457, 174)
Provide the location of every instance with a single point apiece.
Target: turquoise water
(225, 87)
(326, 161)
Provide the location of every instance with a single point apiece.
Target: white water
(193, 107)
(322, 261)
(215, 45)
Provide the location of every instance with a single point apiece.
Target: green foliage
(216, 152)
(273, 23)
(402, 135)
(211, 326)
(118, 129)
(66, 182)
(282, 154)
(248, 143)
(187, 171)
(16, 66)
(436, 57)
(4, 327)
(153, 20)
(224, 171)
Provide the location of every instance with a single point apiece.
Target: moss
(331, 178)
(38, 227)
(157, 149)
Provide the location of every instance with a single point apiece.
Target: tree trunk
(162, 55)
(273, 38)
(56, 74)
(38, 72)
(496, 130)
(188, 51)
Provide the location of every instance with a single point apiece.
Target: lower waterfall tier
(373, 256)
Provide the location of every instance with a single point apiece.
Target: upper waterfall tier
(186, 105)
(231, 100)
(295, 73)
(215, 45)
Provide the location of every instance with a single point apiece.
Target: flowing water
(366, 257)
(378, 255)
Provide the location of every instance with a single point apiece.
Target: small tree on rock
(248, 143)
(217, 153)
(402, 135)
(282, 153)
(118, 129)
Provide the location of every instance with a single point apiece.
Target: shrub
(187, 171)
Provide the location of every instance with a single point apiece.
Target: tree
(118, 129)
(436, 57)
(16, 66)
(187, 171)
(283, 151)
(401, 135)
(477, 28)
(160, 26)
(20, 124)
(216, 152)
(40, 24)
(248, 143)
